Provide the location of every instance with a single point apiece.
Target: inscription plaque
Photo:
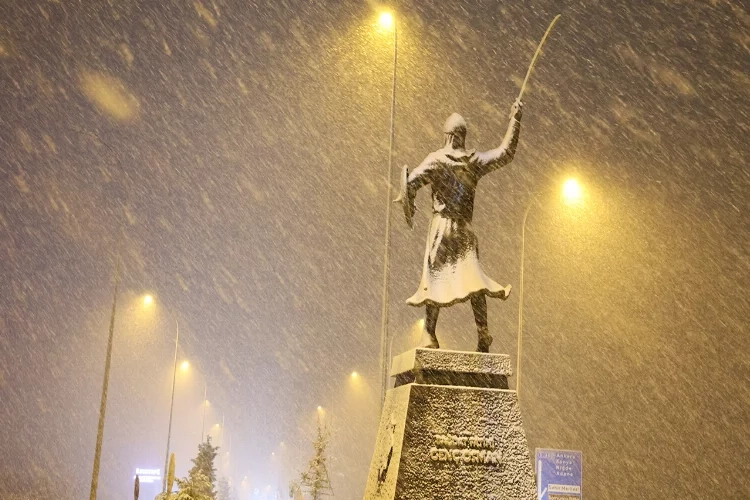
(465, 450)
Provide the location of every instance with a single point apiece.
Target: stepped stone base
(450, 429)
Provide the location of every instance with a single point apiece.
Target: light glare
(148, 300)
(386, 20)
(572, 191)
(185, 365)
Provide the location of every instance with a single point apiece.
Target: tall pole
(105, 387)
(205, 404)
(534, 199)
(108, 362)
(386, 256)
(229, 460)
(171, 404)
(221, 465)
(221, 439)
(520, 299)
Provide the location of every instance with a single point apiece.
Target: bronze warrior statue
(451, 271)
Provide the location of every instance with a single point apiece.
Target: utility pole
(105, 387)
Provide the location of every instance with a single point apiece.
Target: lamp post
(387, 21)
(205, 404)
(110, 339)
(105, 387)
(171, 404)
(571, 192)
(221, 439)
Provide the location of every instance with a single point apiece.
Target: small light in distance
(355, 375)
(148, 300)
(185, 365)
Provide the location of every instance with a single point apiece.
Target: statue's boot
(433, 344)
(484, 340)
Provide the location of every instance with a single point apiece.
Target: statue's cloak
(451, 272)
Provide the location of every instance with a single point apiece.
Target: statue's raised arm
(502, 155)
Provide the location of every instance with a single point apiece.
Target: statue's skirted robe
(451, 272)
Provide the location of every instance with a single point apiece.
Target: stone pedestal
(450, 429)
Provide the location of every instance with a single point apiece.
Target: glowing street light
(386, 20)
(184, 366)
(355, 375)
(148, 300)
(572, 192)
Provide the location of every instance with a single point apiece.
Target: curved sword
(536, 54)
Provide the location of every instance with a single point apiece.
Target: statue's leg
(479, 306)
(430, 323)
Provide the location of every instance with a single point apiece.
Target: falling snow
(234, 154)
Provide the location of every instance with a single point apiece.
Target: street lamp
(572, 193)
(388, 22)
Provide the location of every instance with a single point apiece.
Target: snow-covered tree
(194, 487)
(223, 491)
(314, 480)
(204, 463)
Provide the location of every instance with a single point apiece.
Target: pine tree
(204, 463)
(223, 491)
(194, 487)
(315, 480)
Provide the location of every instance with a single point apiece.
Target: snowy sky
(241, 149)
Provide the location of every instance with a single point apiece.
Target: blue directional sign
(559, 474)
